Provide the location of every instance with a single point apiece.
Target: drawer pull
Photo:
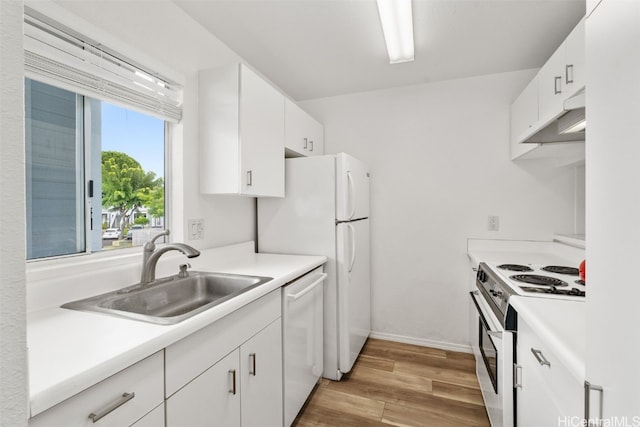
(95, 417)
(540, 357)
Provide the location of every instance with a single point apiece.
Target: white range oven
(495, 325)
(493, 343)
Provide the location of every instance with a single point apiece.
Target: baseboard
(422, 342)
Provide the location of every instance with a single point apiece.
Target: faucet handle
(183, 270)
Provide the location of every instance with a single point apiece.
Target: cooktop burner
(561, 270)
(554, 290)
(515, 267)
(535, 279)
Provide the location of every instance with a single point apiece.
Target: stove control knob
(497, 294)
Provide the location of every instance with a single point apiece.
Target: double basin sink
(170, 300)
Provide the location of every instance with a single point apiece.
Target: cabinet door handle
(252, 359)
(305, 143)
(566, 73)
(557, 85)
(540, 357)
(517, 379)
(311, 142)
(232, 373)
(96, 416)
(249, 178)
(587, 404)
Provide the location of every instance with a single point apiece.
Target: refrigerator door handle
(351, 196)
(352, 235)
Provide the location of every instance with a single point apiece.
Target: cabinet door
(574, 72)
(261, 366)
(296, 138)
(304, 136)
(316, 136)
(551, 87)
(549, 392)
(524, 115)
(211, 399)
(261, 136)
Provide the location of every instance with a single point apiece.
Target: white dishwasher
(302, 340)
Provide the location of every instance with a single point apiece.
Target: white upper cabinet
(542, 101)
(574, 69)
(241, 120)
(561, 76)
(524, 115)
(304, 136)
(550, 85)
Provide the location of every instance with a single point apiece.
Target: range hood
(568, 126)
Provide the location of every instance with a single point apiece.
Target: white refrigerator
(325, 211)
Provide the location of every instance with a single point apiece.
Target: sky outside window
(136, 134)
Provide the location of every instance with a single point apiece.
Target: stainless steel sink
(172, 299)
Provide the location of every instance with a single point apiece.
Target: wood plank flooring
(402, 385)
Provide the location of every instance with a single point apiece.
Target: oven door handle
(497, 334)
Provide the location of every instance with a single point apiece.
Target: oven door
(493, 347)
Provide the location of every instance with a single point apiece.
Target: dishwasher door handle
(294, 297)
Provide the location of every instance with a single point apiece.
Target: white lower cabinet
(229, 373)
(120, 400)
(261, 378)
(549, 394)
(242, 389)
(212, 398)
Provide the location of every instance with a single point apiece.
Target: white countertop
(561, 325)
(70, 351)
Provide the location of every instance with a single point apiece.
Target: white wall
(13, 347)
(439, 157)
(165, 38)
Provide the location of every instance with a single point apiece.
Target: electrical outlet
(196, 229)
(494, 223)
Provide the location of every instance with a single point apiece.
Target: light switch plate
(196, 229)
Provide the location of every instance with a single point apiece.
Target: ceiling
(320, 48)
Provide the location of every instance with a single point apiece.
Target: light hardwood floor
(403, 385)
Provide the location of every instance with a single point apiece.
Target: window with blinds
(95, 141)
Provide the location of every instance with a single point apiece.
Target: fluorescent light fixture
(572, 122)
(397, 25)
(578, 127)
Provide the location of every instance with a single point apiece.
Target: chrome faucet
(150, 256)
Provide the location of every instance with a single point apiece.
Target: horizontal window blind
(59, 56)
